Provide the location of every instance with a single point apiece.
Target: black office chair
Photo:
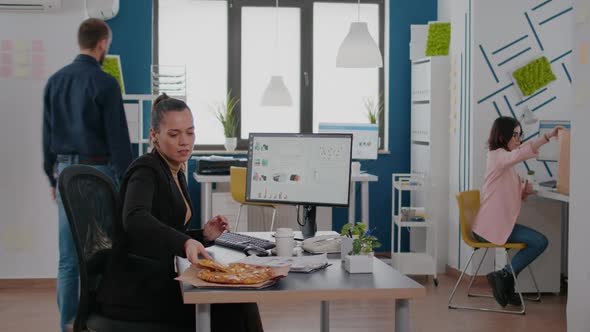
(92, 206)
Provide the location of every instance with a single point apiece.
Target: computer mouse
(252, 250)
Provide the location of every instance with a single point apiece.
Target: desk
(330, 284)
(207, 181)
(564, 199)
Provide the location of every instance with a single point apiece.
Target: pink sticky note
(37, 72)
(6, 58)
(38, 46)
(5, 71)
(37, 59)
(6, 45)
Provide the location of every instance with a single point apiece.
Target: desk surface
(551, 194)
(363, 177)
(332, 283)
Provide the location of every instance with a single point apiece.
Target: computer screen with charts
(365, 137)
(299, 169)
(550, 151)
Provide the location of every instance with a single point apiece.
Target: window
(236, 45)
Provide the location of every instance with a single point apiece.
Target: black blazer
(139, 282)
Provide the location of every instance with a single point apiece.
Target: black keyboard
(240, 241)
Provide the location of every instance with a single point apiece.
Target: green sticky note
(439, 39)
(534, 75)
(112, 66)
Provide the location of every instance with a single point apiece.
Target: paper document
(298, 264)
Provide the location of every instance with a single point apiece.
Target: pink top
(501, 195)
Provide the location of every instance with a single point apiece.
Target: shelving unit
(414, 263)
(429, 149)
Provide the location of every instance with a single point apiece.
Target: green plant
(112, 66)
(374, 108)
(439, 39)
(534, 76)
(365, 243)
(225, 113)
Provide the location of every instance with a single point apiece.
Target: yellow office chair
(237, 186)
(468, 206)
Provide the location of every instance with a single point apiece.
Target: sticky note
(5, 71)
(22, 58)
(6, 58)
(22, 72)
(37, 59)
(6, 45)
(38, 46)
(583, 54)
(21, 45)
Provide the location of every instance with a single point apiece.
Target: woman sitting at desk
(501, 198)
(139, 283)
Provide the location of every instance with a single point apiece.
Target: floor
(35, 310)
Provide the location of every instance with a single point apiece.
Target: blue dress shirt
(84, 115)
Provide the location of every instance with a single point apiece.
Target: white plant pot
(346, 245)
(359, 263)
(231, 143)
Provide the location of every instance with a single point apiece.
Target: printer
(218, 165)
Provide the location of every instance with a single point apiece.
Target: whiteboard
(550, 151)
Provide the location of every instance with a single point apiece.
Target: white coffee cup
(355, 168)
(285, 241)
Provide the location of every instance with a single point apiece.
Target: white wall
(28, 222)
(578, 319)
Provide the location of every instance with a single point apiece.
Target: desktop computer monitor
(299, 169)
(550, 151)
(365, 137)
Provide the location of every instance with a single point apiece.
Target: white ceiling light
(276, 93)
(359, 49)
(528, 117)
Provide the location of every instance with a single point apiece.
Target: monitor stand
(309, 227)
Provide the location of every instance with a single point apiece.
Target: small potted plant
(225, 113)
(374, 108)
(360, 258)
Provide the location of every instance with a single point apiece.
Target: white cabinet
(430, 106)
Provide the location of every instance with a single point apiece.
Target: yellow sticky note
(22, 72)
(583, 54)
(21, 45)
(22, 58)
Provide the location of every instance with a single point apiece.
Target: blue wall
(132, 40)
(401, 15)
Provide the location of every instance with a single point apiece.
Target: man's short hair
(91, 31)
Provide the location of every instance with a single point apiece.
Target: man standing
(83, 123)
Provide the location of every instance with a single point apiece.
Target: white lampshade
(528, 117)
(359, 50)
(276, 93)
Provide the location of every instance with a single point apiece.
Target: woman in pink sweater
(502, 194)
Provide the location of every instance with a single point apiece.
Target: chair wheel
(435, 280)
